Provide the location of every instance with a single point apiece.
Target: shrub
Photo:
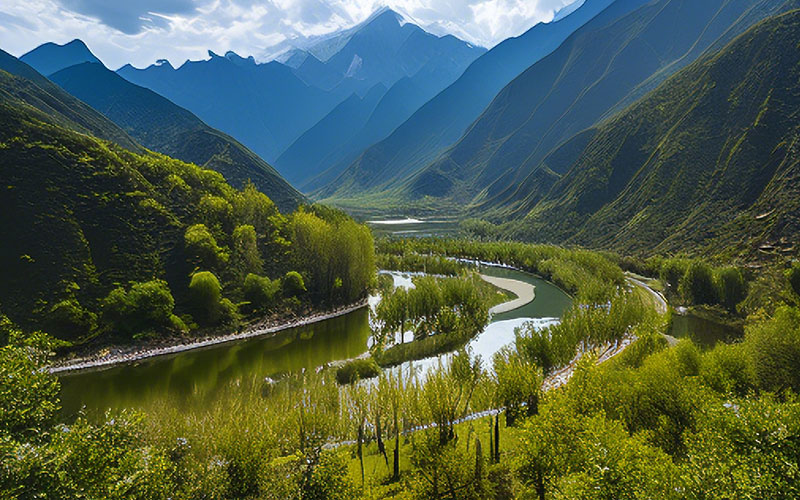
(293, 284)
(68, 319)
(260, 291)
(357, 369)
(205, 294)
(144, 309)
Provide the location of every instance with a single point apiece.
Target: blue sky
(141, 31)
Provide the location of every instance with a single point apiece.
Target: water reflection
(195, 377)
(199, 374)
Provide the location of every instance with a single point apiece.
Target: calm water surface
(703, 332)
(197, 376)
(413, 227)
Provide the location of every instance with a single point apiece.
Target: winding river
(198, 375)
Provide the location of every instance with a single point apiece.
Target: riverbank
(113, 356)
(525, 293)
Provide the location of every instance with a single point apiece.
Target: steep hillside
(580, 83)
(84, 219)
(264, 106)
(24, 83)
(708, 160)
(50, 57)
(443, 119)
(162, 126)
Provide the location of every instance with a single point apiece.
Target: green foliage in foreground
(654, 422)
(356, 370)
(96, 234)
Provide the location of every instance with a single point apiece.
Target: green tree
(205, 294)
(744, 449)
(731, 286)
(774, 348)
(144, 309)
(519, 385)
(293, 284)
(245, 257)
(216, 213)
(260, 291)
(202, 250)
(727, 370)
(69, 320)
(28, 395)
(697, 285)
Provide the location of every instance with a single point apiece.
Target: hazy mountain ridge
(162, 126)
(440, 121)
(428, 64)
(269, 106)
(50, 57)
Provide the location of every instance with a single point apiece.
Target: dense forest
(104, 243)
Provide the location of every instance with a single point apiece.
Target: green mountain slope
(162, 126)
(22, 82)
(81, 217)
(583, 81)
(708, 160)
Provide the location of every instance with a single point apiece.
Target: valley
(330, 250)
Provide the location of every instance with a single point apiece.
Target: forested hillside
(103, 242)
(162, 126)
(20, 81)
(708, 160)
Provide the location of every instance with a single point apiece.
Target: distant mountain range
(269, 106)
(157, 123)
(443, 119)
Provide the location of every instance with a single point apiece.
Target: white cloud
(139, 32)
